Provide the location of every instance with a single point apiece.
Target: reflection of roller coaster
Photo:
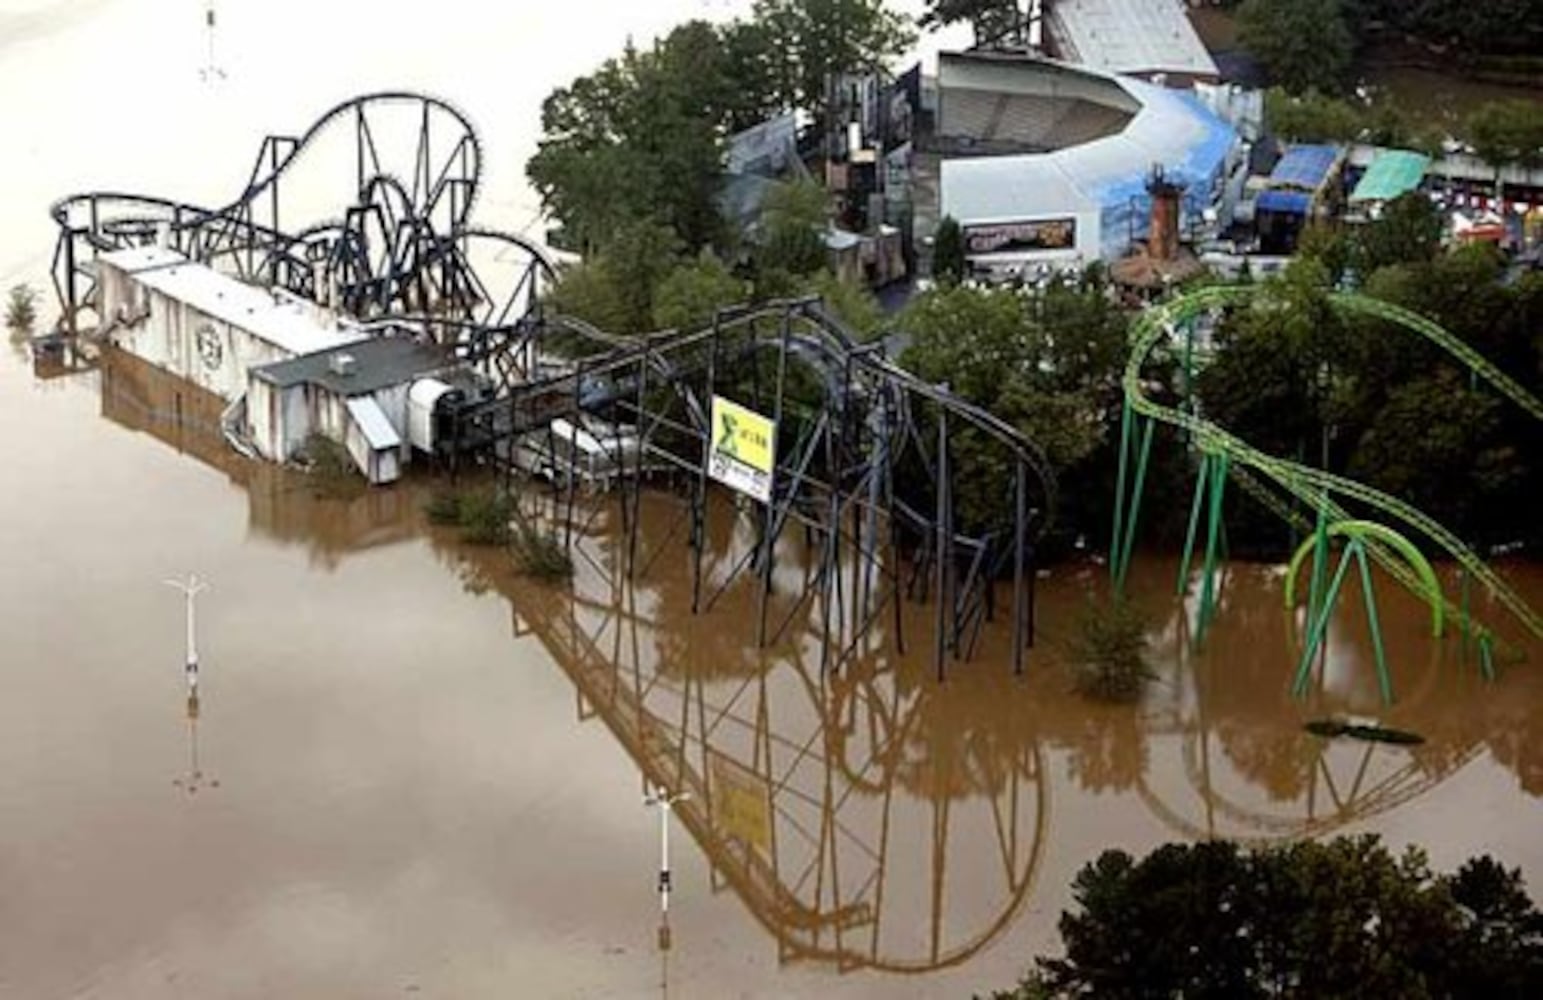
(406, 166)
(1267, 477)
(871, 853)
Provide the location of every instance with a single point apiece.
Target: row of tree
(1314, 44)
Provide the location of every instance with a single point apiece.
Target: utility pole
(665, 801)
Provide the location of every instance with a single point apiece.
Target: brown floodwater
(413, 772)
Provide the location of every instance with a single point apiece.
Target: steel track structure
(1223, 455)
(865, 465)
(867, 468)
(387, 235)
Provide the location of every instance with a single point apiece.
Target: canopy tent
(1392, 173)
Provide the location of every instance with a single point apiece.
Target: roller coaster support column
(1355, 549)
(1212, 483)
(1124, 539)
(769, 537)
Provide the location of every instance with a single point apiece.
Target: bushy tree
(688, 296)
(948, 257)
(1407, 231)
(1339, 919)
(791, 242)
(1507, 132)
(1046, 361)
(809, 40)
(993, 21)
(614, 289)
(1305, 44)
(638, 138)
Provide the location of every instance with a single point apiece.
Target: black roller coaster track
(865, 464)
(404, 250)
(867, 457)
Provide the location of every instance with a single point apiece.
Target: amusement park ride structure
(863, 457)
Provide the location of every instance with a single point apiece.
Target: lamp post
(661, 797)
(191, 589)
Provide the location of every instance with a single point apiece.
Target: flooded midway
(409, 771)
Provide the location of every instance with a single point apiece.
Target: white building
(287, 368)
(1046, 164)
(202, 325)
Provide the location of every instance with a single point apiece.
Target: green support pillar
(1384, 681)
(1128, 543)
(1116, 572)
(1218, 488)
(1318, 627)
(1202, 477)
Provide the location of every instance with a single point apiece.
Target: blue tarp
(1197, 162)
(1286, 202)
(1304, 167)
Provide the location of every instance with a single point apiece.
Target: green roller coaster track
(1224, 455)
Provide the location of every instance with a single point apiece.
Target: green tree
(807, 41)
(688, 296)
(1339, 919)
(948, 258)
(614, 289)
(640, 138)
(1046, 361)
(1305, 44)
(1507, 132)
(849, 302)
(791, 242)
(992, 21)
(1407, 231)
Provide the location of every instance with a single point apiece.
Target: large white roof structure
(1140, 37)
(1103, 179)
(289, 326)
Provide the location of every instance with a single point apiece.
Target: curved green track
(1316, 489)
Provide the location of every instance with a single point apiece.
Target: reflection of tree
(1280, 766)
(1516, 733)
(1108, 748)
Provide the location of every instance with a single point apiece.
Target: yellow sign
(741, 802)
(742, 450)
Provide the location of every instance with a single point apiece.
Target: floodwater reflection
(871, 818)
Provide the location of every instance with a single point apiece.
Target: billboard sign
(741, 451)
(1006, 237)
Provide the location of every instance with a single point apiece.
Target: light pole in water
(191, 589)
(665, 801)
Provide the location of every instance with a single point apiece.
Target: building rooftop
(290, 326)
(1392, 173)
(1129, 36)
(1304, 168)
(1106, 176)
(377, 363)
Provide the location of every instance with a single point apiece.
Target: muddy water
(412, 772)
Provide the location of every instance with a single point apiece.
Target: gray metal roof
(1129, 36)
(377, 363)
